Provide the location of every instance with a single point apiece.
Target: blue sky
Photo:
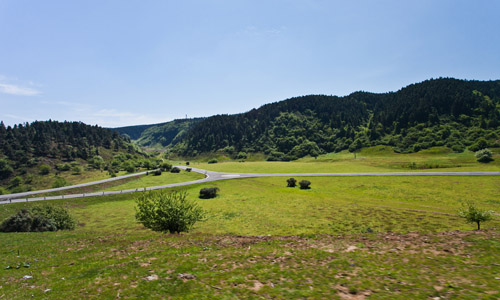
(117, 63)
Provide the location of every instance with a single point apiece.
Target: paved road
(26, 194)
(215, 176)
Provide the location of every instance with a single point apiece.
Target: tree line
(448, 112)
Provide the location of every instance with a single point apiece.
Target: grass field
(374, 159)
(386, 238)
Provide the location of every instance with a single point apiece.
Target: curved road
(214, 176)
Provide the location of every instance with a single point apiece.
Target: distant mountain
(159, 135)
(134, 132)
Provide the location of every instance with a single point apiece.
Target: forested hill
(440, 112)
(27, 146)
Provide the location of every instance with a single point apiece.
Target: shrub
(167, 211)
(175, 170)
(458, 148)
(242, 155)
(44, 169)
(39, 219)
(207, 193)
(275, 156)
(59, 182)
(484, 156)
(305, 184)
(77, 170)
(188, 169)
(478, 145)
(57, 214)
(292, 182)
(187, 163)
(128, 166)
(157, 172)
(472, 214)
(166, 166)
(212, 161)
(63, 167)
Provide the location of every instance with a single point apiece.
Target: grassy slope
(110, 256)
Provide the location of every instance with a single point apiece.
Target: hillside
(31, 153)
(440, 112)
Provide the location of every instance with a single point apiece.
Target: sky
(119, 63)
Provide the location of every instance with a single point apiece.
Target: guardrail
(8, 200)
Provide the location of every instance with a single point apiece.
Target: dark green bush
(44, 169)
(63, 167)
(38, 219)
(305, 184)
(167, 211)
(59, 182)
(166, 166)
(458, 148)
(175, 170)
(484, 156)
(212, 161)
(242, 155)
(207, 193)
(188, 169)
(292, 182)
(157, 172)
(478, 145)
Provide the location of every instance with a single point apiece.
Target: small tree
(292, 182)
(207, 193)
(305, 184)
(484, 155)
(167, 211)
(472, 214)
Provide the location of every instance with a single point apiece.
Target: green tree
(167, 211)
(472, 214)
(5, 169)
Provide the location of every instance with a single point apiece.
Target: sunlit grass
(374, 159)
(163, 179)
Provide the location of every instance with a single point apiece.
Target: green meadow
(345, 238)
(373, 159)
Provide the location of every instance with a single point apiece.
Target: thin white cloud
(17, 90)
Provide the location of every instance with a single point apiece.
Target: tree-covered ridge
(440, 112)
(64, 140)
